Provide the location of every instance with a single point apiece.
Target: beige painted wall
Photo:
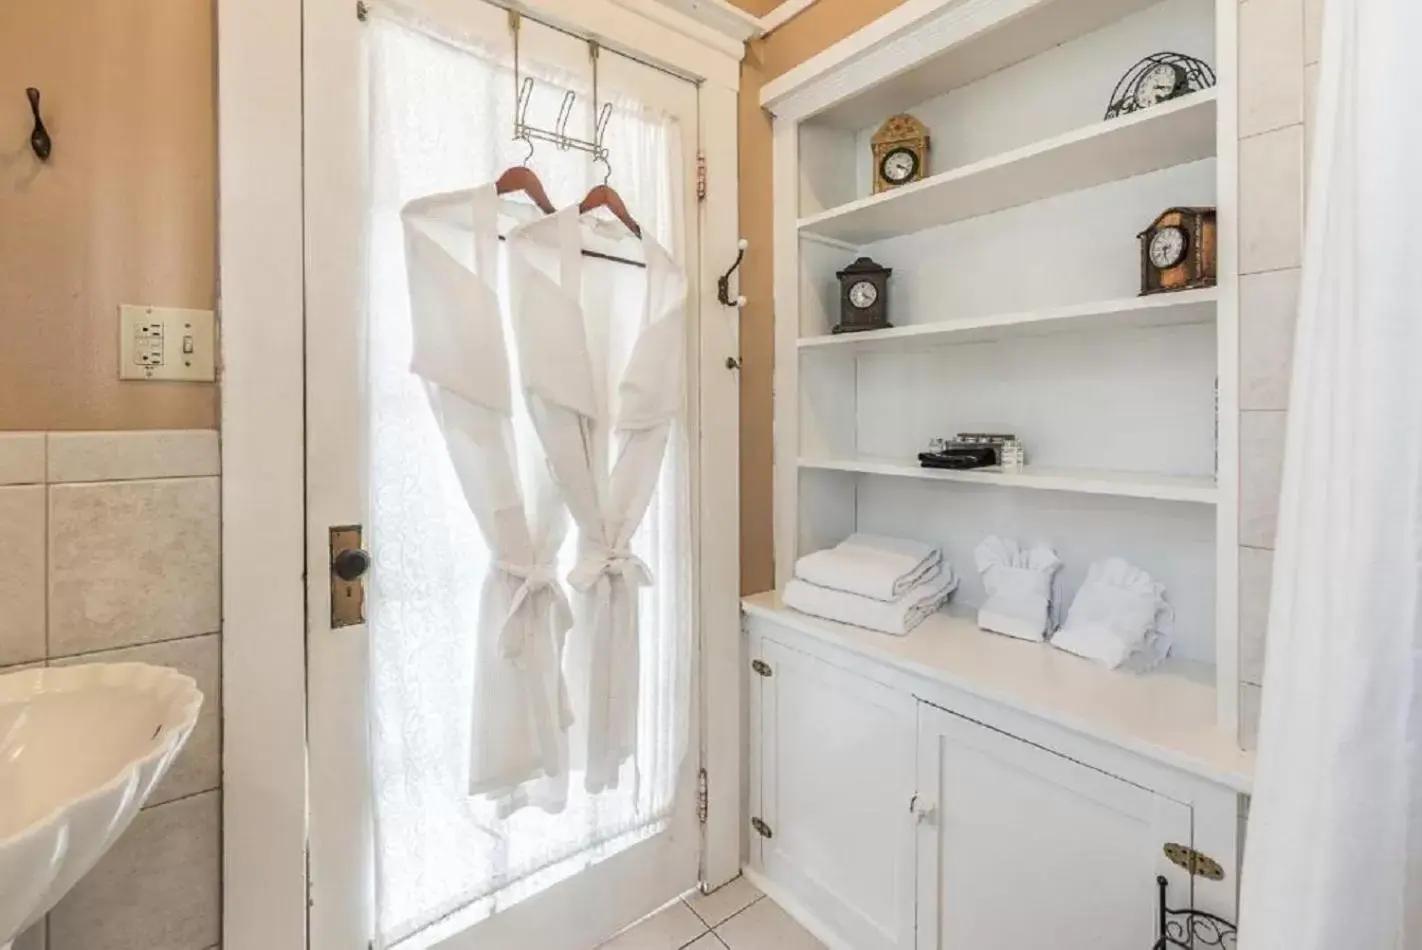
(123, 213)
(822, 25)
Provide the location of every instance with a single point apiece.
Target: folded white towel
(898, 617)
(1120, 618)
(871, 566)
(1019, 587)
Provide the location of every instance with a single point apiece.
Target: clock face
(1167, 247)
(863, 294)
(899, 166)
(1160, 83)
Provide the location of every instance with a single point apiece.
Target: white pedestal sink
(81, 748)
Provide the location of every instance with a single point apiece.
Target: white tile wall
(110, 456)
(1271, 59)
(1278, 56)
(110, 553)
(1268, 308)
(1261, 458)
(22, 458)
(1271, 200)
(157, 889)
(1256, 571)
(132, 562)
(22, 624)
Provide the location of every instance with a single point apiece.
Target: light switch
(167, 343)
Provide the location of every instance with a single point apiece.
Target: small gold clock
(900, 152)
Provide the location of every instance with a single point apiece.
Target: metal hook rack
(525, 131)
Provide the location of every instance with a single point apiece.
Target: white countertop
(1167, 715)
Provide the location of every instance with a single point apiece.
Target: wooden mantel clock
(900, 152)
(1179, 251)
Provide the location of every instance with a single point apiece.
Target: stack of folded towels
(885, 584)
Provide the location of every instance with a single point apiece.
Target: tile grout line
(134, 646)
(736, 914)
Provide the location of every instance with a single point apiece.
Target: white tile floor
(736, 917)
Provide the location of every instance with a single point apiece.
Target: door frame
(262, 315)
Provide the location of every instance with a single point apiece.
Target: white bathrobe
(607, 497)
(521, 710)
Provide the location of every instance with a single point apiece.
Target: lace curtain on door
(440, 117)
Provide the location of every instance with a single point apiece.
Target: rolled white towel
(871, 566)
(897, 617)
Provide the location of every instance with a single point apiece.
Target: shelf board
(1199, 489)
(1130, 313)
(1171, 134)
(1167, 715)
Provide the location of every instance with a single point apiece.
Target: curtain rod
(522, 9)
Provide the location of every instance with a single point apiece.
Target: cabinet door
(1020, 847)
(837, 775)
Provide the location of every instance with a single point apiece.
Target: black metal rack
(1191, 929)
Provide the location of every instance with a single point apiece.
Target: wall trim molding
(262, 307)
(784, 13)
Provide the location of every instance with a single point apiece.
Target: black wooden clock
(863, 297)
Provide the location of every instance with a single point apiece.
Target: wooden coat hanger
(605, 196)
(521, 178)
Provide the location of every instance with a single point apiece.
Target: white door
(836, 781)
(407, 100)
(1020, 847)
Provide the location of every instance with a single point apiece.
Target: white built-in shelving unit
(1014, 301)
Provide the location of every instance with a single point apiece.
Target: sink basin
(81, 748)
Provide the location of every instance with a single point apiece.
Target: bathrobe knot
(612, 562)
(518, 623)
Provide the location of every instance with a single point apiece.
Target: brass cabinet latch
(1193, 862)
(349, 564)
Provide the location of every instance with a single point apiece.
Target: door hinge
(762, 668)
(1193, 862)
(761, 828)
(362, 11)
(703, 797)
(701, 176)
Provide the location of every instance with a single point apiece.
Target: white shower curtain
(440, 114)
(1334, 848)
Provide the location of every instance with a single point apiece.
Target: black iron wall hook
(723, 283)
(39, 138)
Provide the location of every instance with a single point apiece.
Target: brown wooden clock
(900, 153)
(1179, 251)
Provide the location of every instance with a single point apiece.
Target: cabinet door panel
(837, 777)
(1021, 847)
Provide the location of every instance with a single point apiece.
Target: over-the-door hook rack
(723, 283)
(558, 135)
(39, 138)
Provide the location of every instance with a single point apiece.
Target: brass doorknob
(351, 564)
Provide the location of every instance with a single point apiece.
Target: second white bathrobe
(607, 496)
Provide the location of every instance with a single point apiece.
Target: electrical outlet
(167, 343)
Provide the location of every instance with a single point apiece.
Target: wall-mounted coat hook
(39, 138)
(723, 283)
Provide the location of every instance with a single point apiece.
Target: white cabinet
(836, 776)
(901, 808)
(1021, 847)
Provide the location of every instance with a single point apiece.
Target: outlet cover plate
(167, 343)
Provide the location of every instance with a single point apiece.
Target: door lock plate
(347, 596)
